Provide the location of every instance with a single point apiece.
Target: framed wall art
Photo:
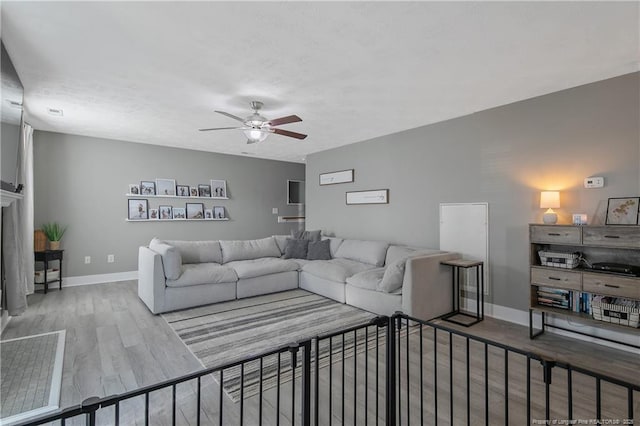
(374, 196)
(204, 191)
(218, 212)
(218, 188)
(138, 209)
(623, 211)
(333, 178)
(195, 211)
(134, 189)
(179, 213)
(147, 187)
(165, 212)
(182, 190)
(166, 187)
(153, 214)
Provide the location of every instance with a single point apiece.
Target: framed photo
(623, 211)
(147, 187)
(166, 187)
(182, 190)
(194, 191)
(208, 213)
(195, 211)
(165, 212)
(376, 196)
(218, 213)
(219, 188)
(153, 214)
(332, 178)
(134, 189)
(178, 213)
(204, 191)
(138, 209)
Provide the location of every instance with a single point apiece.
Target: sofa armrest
(151, 279)
(426, 287)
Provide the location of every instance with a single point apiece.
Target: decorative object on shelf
(147, 188)
(208, 213)
(166, 186)
(179, 213)
(218, 212)
(559, 259)
(332, 178)
(153, 214)
(579, 219)
(376, 196)
(218, 188)
(182, 190)
(134, 189)
(39, 240)
(165, 212)
(204, 190)
(138, 209)
(550, 200)
(54, 232)
(194, 191)
(623, 211)
(195, 211)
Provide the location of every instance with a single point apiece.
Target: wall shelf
(175, 196)
(9, 197)
(177, 220)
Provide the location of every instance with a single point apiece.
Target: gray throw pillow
(306, 235)
(319, 250)
(296, 249)
(393, 277)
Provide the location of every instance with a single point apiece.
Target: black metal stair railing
(391, 371)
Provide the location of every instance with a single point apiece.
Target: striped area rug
(231, 331)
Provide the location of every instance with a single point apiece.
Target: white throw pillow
(393, 277)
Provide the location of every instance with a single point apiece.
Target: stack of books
(554, 297)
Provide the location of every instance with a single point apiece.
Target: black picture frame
(183, 191)
(623, 211)
(204, 190)
(165, 212)
(195, 211)
(137, 209)
(147, 187)
(219, 212)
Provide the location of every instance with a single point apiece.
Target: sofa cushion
(171, 260)
(334, 243)
(393, 276)
(204, 273)
(301, 262)
(296, 249)
(371, 252)
(249, 249)
(319, 250)
(335, 269)
(281, 241)
(395, 253)
(369, 280)
(260, 267)
(198, 251)
(306, 235)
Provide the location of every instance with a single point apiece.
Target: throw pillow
(296, 249)
(171, 259)
(306, 235)
(319, 250)
(393, 276)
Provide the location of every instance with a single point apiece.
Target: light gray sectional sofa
(372, 275)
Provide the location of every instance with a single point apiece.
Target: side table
(457, 265)
(46, 257)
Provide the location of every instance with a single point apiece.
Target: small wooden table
(458, 264)
(46, 257)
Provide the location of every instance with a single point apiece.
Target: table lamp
(550, 200)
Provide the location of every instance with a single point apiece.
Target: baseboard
(519, 317)
(99, 278)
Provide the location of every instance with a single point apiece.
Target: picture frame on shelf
(218, 212)
(195, 211)
(179, 213)
(193, 191)
(153, 214)
(333, 178)
(208, 213)
(165, 212)
(204, 190)
(138, 209)
(134, 189)
(623, 211)
(182, 190)
(166, 187)
(218, 188)
(147, 187)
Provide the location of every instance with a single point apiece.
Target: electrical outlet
(111, 258)
(87, 260)
(594, 182)
(274, 210)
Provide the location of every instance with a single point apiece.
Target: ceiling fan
(257, 127)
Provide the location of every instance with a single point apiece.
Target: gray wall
(82, 182)
(503, 156)
(9, 141)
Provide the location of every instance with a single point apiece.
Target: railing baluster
(390, 374)
(486, 384)
(294, 364)
(146, 409)
(421, 382)
(355, 375)
(506, 387)
(598, 400)
(366, 375)
(377, 375)
(241, 394)
(306, 384)
(330, 381)
(407, 368)
(199, 400)
(399, 364)
(435, 375)
(342, 383)
(260, 394)
(630, 403)
(528, 390)
(468, 388)
(451, 377)
(278, 390)
(220, 401)
(173, 404)
(569, 394)
(316, 409)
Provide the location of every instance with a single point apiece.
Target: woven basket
(617, 314)
(39, 240)
(559, 260)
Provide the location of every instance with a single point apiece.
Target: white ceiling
(154, 72)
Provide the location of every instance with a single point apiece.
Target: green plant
(54, 231)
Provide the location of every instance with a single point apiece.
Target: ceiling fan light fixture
(255, 135)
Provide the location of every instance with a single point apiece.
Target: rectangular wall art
(374, 196)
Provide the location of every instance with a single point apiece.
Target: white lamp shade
(549, 200)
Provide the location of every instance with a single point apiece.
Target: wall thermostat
(594, 182)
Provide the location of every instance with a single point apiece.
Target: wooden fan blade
(235, 117)
(288, 133)
(219, 128)
(285, 120)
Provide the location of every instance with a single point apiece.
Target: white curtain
(24, 175)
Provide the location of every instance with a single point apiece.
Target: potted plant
(54, 232)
